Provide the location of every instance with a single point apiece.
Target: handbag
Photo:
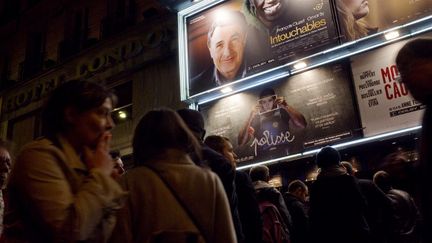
(184, 206)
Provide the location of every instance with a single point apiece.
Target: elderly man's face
(268, 10)
(227, 49)
(417, 76)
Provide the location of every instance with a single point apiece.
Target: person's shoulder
(36, 157)
(342, 181)
(348, 180)
(242, 175)
(398, 193)
(290, 198)
(367, 184)
(206, 175)
(243, 179)
(347, 177)
(217, 163)
(37, 146)
(365, 181)
(38, 142)
(212, 157)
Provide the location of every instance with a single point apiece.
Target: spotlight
(122, 115)
(300, 65)
(391, 35)
(226, 90)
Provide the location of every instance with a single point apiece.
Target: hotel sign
(136, 49)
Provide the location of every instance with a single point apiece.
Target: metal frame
(318, 59)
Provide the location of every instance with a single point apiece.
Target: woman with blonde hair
(350, 14)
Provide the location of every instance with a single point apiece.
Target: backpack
(405, 215)
(274, 229)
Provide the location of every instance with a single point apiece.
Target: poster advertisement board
(237, 38)
(288, 116)
(385, 104)
(360, 18)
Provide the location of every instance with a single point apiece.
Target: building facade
(127, 45)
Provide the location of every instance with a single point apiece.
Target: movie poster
(309, 110)
(385, 104)
(238, 38)
(360, 18)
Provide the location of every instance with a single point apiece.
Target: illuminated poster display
(361, 18)
(385, 104)
(288, 116)
(238, 38)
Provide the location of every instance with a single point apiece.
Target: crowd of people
(69, 186)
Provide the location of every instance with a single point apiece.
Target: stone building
(128, 45)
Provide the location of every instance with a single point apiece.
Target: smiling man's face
(227, 48)
(268, 10)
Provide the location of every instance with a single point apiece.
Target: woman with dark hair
(60, 188)
(350, 14)
(248, 209)
(171, 199)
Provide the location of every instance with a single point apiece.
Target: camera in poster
(288, 116)
(237, 38)
(385, 103)
(360, 18)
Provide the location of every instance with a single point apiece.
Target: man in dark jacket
(336, 204)
(216, 162)
(414, 63)
(378, 206)
(295, 200)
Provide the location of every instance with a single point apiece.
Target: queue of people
(68, 186)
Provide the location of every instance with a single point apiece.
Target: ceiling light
(122, 115)
(391, 35)
(226, 90)
(300, 65)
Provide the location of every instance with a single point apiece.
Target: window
(34, 54)
(123, 110)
